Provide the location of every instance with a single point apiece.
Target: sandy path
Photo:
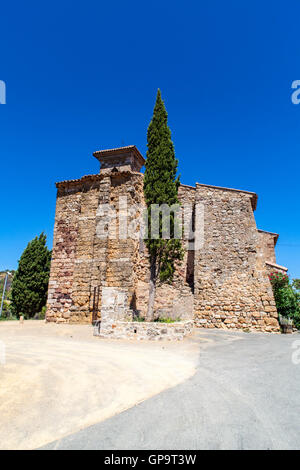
(59, 379)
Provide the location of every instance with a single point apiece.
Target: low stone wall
(144, 330)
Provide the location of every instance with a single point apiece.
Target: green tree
(287, 296)
(296, 284)
(5, 310)
(161, 187)
(30, 282)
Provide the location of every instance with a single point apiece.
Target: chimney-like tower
(120, 159)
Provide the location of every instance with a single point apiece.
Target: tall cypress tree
(30, 282)
(161, 187)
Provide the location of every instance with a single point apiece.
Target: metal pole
(3, 295)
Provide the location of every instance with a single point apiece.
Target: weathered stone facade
(267, 245)
(118, 322)
(153, 331)
(223, 283)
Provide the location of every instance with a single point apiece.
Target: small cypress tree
(30, 282)
(161, 187)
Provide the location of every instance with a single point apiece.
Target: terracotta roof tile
(274, 265)
(118, 150)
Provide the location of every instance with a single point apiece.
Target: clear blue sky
(83, 77)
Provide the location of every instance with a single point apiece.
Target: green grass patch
(167, 320)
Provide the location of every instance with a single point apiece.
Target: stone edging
(144, 330)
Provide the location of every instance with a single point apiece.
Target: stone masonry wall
(223, 284)
(117, 320)
(82, 259)
(267, 242)
(174, 300)
(267, 246)
(63, 255)
(232, 289)
(89, 261)
(156, 331)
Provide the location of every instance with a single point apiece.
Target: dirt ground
(59, 379)
(243, 396)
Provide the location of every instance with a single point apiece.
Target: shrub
(6, 311)
(139, 319)
(43, 313)
(279, 280)
(287, 296)
(167, 320)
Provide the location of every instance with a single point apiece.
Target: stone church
(223, 283)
